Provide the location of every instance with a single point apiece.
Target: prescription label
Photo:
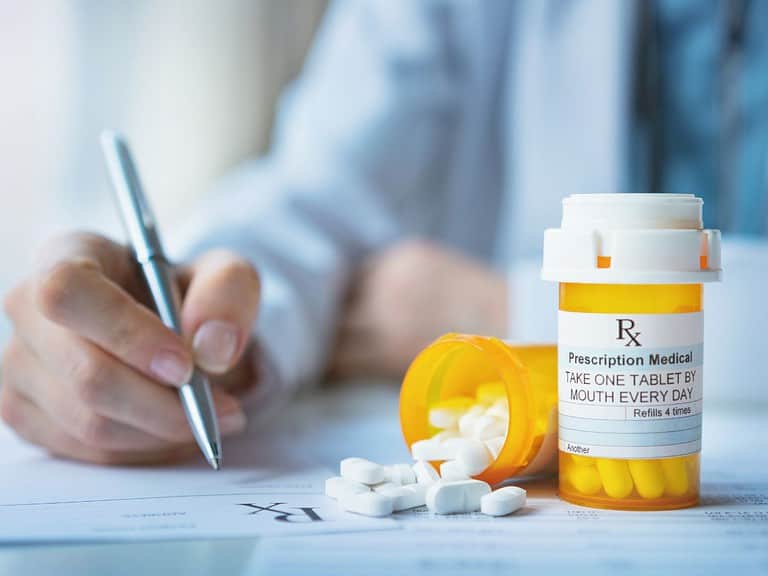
(630, 385)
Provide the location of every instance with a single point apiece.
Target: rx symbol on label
(626, 325)
(306, 514)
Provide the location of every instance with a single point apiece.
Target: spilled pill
(425, 473)
(337, 486)
(362, 470)
(400, 474)
(452, 470)
(503, 501)
(431, 449)
(407, 497)
(473, 457)
(384, 486)
(368, 504)
(456, 497)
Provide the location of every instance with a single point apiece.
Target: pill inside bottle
(478, 407)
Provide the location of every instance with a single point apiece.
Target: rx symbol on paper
(626, 327)
(305, 514)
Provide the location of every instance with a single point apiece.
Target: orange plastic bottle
(630, 343)
(484, 370)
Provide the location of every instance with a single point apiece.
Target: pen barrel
(165, 293)
(196, 394)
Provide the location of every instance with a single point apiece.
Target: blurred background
(193, 84)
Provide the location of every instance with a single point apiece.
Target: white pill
(467, 424)
(503, 501)
(499, 409)
(488, 427)
(494, 445)
(384, 486)
(456, 497)
(400, 474)
(362, 470)
(431, 449)
(425, 473)
(452, 470)
(368, 504)
(440, 418)
(473, 457)
(337, 486)
(446, 435)
(407, 497)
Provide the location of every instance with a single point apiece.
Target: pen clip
(136, 214)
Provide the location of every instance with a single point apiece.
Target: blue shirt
(713, 106)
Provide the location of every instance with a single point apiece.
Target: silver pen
(142, 232)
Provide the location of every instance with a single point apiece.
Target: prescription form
(270, 492)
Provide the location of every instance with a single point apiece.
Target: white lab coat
(462, 121)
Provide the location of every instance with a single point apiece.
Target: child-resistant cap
(632, 239)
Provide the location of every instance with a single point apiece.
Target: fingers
(35, 426)
(114, 260)
(84, 373)
(76, 294)
(83, 421)
(219, 309)
(98, 383)
(29, 379)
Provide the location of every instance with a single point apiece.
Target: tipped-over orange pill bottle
(484, 390)
(630, 341)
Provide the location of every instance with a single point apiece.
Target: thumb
(219, 309)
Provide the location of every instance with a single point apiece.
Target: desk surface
(730, 529)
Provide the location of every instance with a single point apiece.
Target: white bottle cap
(640, 239)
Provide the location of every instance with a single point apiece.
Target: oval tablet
(431, 449)
(368, 504)
(473, 457)
(452, 470)
(400, 474)
(338, 486)
(425, 473)
(456, 497)
(503, 501)
(362, 470)
(407, 497)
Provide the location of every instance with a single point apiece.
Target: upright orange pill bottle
(630, 344)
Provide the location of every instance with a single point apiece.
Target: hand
(406, 297)
(90, 372)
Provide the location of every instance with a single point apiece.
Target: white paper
(43, 499)
(729, 531)
(264, 488)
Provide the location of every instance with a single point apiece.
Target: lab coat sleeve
(355, 136)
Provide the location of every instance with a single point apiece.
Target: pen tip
(213, 455)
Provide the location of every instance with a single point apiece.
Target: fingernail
(171, 368)
(215, 344)
(232, 423)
